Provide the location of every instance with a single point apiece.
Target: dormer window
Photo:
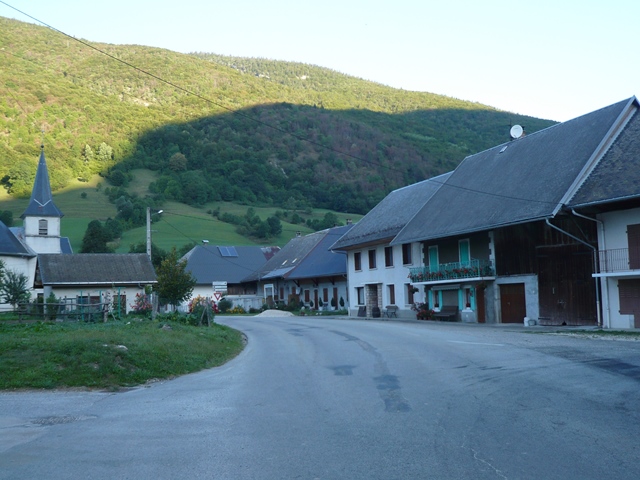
(43, 227)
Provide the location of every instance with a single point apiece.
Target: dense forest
(251, 131)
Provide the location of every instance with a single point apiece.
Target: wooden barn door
(512, 303)
(566, 289)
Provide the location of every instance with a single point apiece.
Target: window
(43, 227)
(633, 240)
(372, 259)
(360, 295)
(357, 261)
(410, 291)
(281, 293)
(306, 296)
(629, 292)
(388, 256)
(406, 254)
(463, 251)
(434, 263)
(392, 294)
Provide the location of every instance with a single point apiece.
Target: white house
(306, 270)
(37, 251)
(377, 271)
(610, 197)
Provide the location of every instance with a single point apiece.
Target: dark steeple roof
(41, 203)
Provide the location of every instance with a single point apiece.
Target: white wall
(26, 266)
(72, 293)
(396, 275)
(612, 235)
(49, 243)
(531, 297)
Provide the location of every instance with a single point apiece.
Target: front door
(512, 303)
(480, 304)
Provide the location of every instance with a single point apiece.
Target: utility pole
(149, 230)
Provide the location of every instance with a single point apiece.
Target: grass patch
(600, 333)
(108, 355)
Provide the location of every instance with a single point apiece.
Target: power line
(268, 125)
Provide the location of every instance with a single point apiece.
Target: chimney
(348, 221)
(298, 233)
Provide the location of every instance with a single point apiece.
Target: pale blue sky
(554, 59)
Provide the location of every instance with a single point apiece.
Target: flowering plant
(142, 304)
(199, 302)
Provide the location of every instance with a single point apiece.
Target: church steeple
(42, 217)
(41, 203)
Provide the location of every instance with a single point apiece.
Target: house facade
(306, 271)
(110, 279)
(610, 199)
(220, 271)
(512, 234)
(377, 271)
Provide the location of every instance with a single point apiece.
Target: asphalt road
(320, 398)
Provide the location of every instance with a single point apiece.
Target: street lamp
(149, 231)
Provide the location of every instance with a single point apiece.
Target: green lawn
(108, 355)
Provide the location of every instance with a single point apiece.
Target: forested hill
(257, 131)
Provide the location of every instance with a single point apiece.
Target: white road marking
(477, 343)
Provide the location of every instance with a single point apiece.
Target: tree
(13, 287)
(6, 217)
(157, 254)
(275, 226)
(95, 239)
(175, 284)
(178, 162)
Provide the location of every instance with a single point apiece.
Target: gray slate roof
(387, 218)
(10, 245)
(520, 181)
(321, 261)
(306, 256)
(41, 202)
(617, 175)
(96, 269)
(207, 264)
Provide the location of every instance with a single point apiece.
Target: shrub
(52, 306)
(224, 305)
(198, 310)
(142, 305)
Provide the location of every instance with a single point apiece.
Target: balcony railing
(452, 271)
(619, 260)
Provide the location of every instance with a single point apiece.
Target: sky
(552, 59)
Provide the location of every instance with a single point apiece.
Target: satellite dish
(516, 131)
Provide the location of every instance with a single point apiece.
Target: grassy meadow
(179, 223)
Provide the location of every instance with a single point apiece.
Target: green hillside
(267, 134)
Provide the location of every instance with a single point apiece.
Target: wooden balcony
(474, 269)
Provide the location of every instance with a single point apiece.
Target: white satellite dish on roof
(516, 131)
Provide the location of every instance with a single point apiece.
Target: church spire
(41, 203)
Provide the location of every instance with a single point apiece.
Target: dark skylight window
(228, 251)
